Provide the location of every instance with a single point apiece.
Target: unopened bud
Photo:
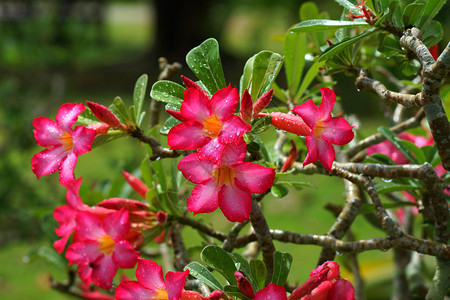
(245, 287)
(104, 114)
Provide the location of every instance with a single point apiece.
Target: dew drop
(386, 180)
(358, 90)
(339, 253)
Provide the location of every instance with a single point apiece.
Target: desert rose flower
(325, 130)
(227, 184)
(100, 247)
(271, 291)
(150, 283)
(207, 123)
(66, 143)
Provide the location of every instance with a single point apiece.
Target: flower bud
(288, 122)
(245, 287)
(104, 114)
(135, 183)
(262, 102)
(245, 111)
(293, 153)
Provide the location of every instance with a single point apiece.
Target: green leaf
(204, 61)
(101, 139)
(388, 134)
(367, 208)
(168, 92)
(258, 271)
(259, 73)
(220, 260)
(49, 254)
(419, 155)
(121, 109)
(383, 188)
(431, 155)
(244, 267)
(411, 13)
(204, 275)
(322, 25)
(295, 47)
(330, 51)
(279, 190)
(170, 122)
(281, 267)
(261, 124)
(349, 5)
(433, 34)
(378, 158)
(432, 7)
(139, 95)
(296, 184)
(309, 77)
(309, 10)
(149, 235)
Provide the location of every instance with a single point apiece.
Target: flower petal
(66, 172)
(149, 274)
(46, 132)
(246, 108)
(89, 226)
(117, 224)
(124, 255)
(132, 290)
(328, 100)
(253, 177)
(103, 272)
(68, 114)
(309, 112)
(47, 161)
(232, 130)
(195, 169)
(270, 292)
(319, 150)
(187, 136)
(196, 105)
(342, 290)
(204, 198)
(224, 102)
(234, 153)
(212, 151)
(175, 283)
(83, 252)
(72, 196)
(338, 131)
(235, 203)
(82, 138)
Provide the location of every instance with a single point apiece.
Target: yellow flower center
(106, 244)
(212, 126)
(223, 175)
(318, 129)
(66, 141)
(160, 295)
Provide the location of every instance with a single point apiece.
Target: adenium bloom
(271, 291)
(207, 123)
(227, 184)
(101, 248)
(150, 283)
(325, 130)
(66, 143)
(247, 109)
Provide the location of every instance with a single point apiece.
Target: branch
(158, 150)
(201, 227)
(181, 259)
(262, 233)
(433, 73)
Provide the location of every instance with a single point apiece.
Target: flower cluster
(320, 129)
(218, 169)
(324, 283)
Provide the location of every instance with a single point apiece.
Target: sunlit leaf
(321, 25)
(281, 267)
(221, 261)
(168, 92)
(139, 95)
(204, 275)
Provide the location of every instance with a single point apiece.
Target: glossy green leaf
(432, 7)
(330, 51)
(411, 13)
(139, 95)
(204, 275)
(279, 190)
(149, 235)
(396, 13)
(259, 73)
(258, 270)
(418, 153)
(168, 92)
(281, 267)
(120, 110)
(170, 122)
(309, 77)
(308, 11)
(349, 5)
(322, 25)
(388, 134)
(101, 139)
(378, 158)
(204, 61)
(296, 184)
(220, 260)
(279, 92)
(295, 48)
(262, 124)
(132, 113)
(244, 267)
(390, 187)
(431, 155)
(433, 34)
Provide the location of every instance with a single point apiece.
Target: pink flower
(65, 143)
(150, 283)
(101, 247)
(325, 283)
(270, 292)
(227, 184)
(207, 123)
(325, 130)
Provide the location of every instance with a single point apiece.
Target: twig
(180, 256)
(232, 235)
(158, 150)
(201, 227)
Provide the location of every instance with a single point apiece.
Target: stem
(439, 286)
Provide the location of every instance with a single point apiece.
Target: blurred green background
(57, 51)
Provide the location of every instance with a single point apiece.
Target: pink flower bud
(100, 128)
(161, 217)
(135, 183)
(245, 111)
(293, 153)
(288, 122)
(245, 287)
(262, 102)
(104, 114)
